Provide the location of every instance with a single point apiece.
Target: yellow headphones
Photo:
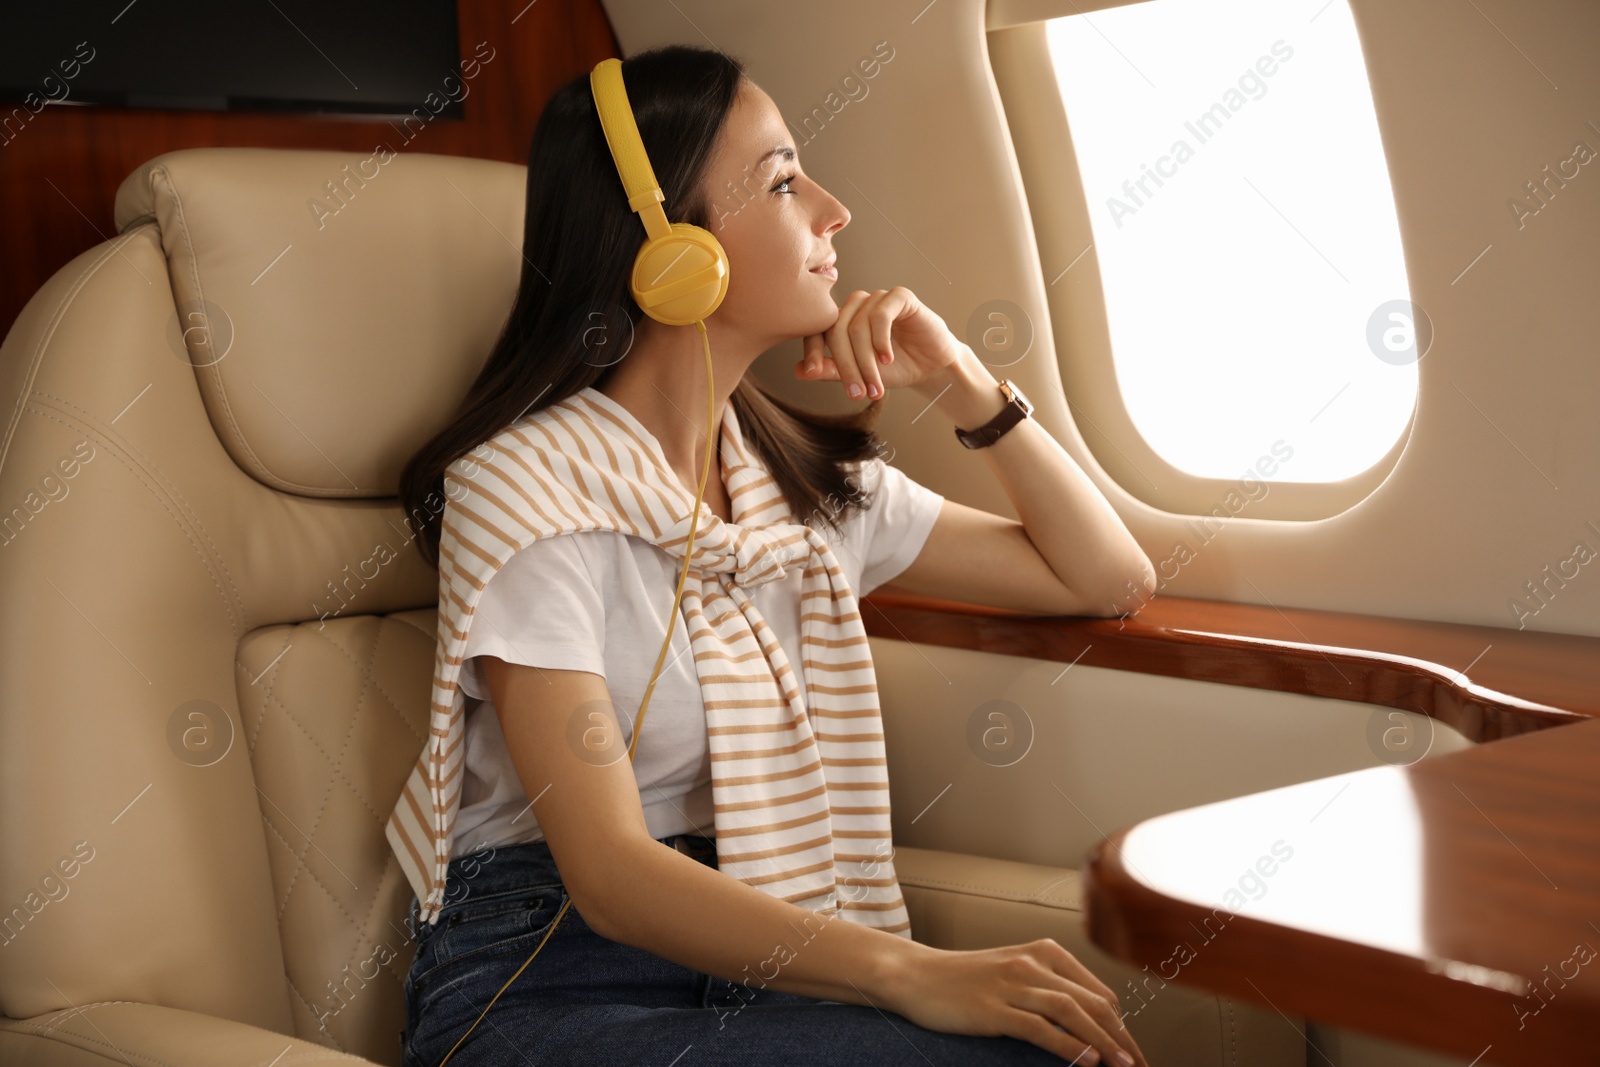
(679, 277)
(681, 273)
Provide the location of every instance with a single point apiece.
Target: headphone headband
(627, 149)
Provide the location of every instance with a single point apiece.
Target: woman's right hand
(1023, 991)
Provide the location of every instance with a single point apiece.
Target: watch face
(1021, 397)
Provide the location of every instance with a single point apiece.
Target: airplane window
(1254, 281)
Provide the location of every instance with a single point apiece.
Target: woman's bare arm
(564, 739)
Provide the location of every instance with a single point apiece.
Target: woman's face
(775, 224)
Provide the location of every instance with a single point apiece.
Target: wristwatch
(1016, 409)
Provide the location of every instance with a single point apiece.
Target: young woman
(655, 959)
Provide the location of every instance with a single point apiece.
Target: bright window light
(1254, 280)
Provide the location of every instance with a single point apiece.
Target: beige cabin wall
(1472, 103)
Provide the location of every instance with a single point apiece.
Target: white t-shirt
(597, 601)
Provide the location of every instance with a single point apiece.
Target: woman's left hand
(886, 338)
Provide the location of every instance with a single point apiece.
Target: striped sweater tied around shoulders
(799, 779)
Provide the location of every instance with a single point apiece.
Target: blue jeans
(585, 999)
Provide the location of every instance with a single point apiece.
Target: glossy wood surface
(1452, 904)
(1486, 682)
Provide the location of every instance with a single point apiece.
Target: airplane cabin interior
(1302, 292)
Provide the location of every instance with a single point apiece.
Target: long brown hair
(579, 242)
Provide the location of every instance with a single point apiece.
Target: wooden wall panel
(60, 170)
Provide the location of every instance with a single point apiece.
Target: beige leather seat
(218, 642)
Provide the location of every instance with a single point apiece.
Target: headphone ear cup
(680, 277)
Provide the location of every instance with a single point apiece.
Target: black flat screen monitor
(352, 57)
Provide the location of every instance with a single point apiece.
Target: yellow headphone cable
(680, 276)
(683, 573)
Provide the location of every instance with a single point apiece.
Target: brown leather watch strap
(1017, 408)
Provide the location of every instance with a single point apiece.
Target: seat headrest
(335, 306)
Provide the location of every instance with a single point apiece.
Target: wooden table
(1453, 903)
